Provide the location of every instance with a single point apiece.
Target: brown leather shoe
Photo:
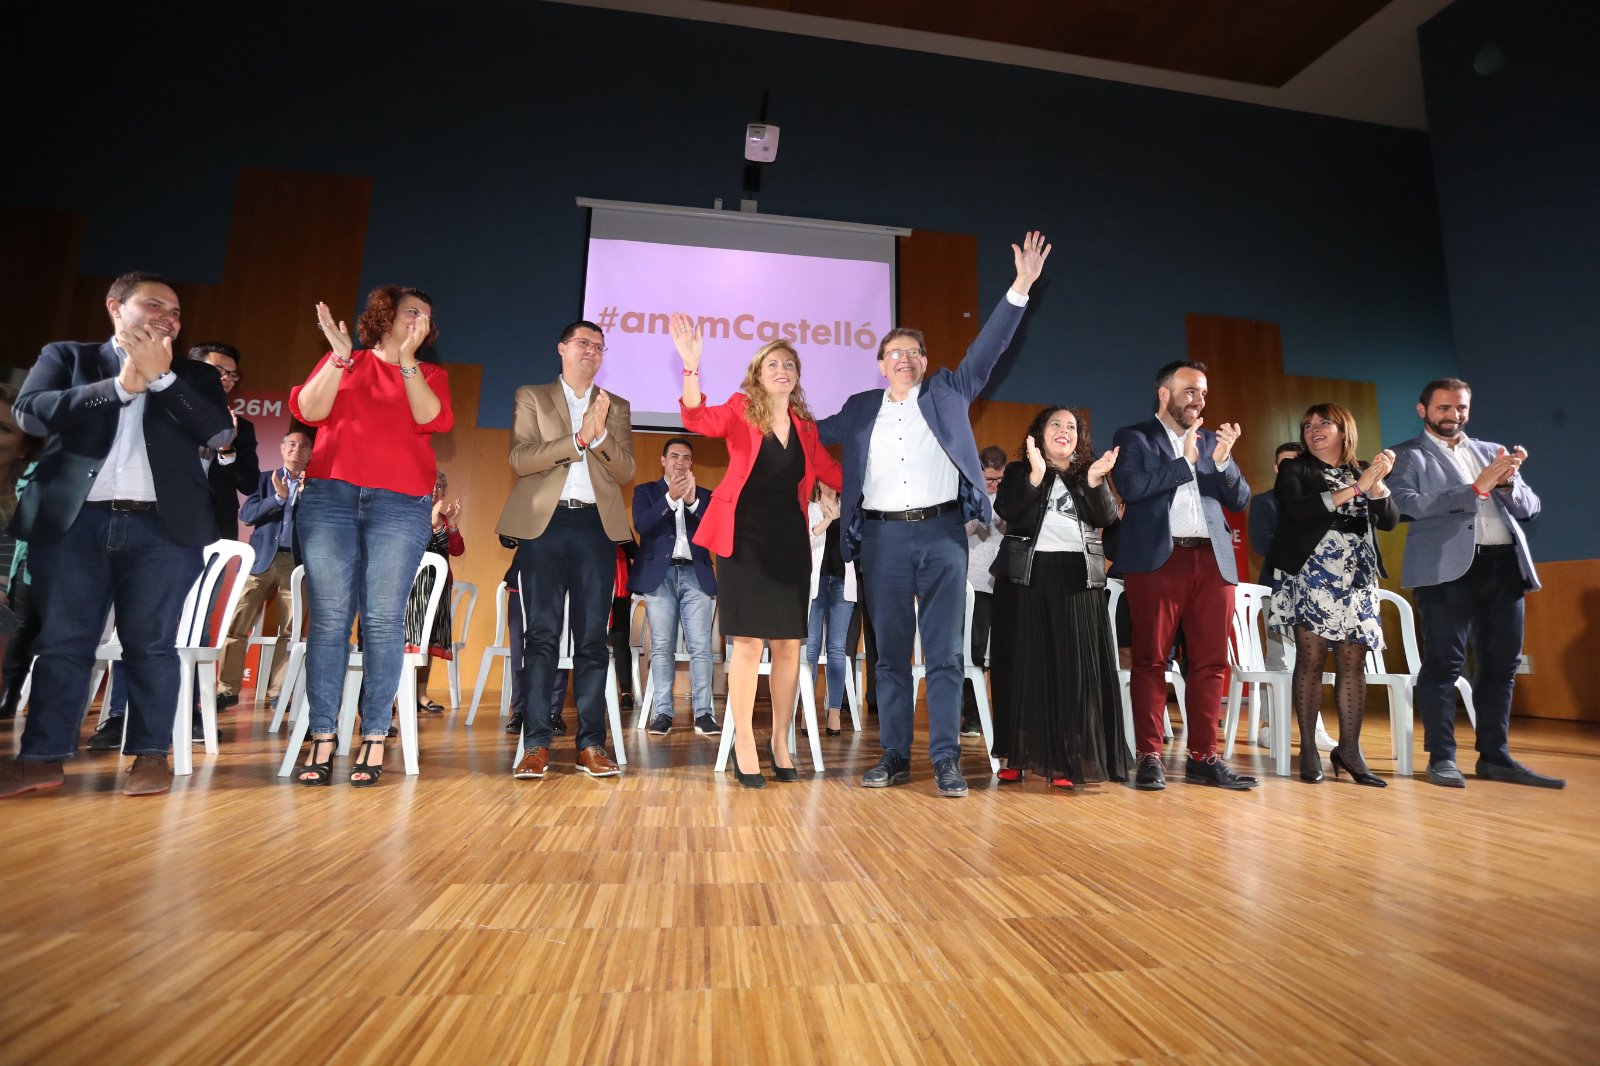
(150, 776)
(595, 762)
(533, 764)
(17, 777)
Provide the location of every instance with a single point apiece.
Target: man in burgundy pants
(1175, 557)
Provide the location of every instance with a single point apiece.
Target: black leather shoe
(108, 737)
(1445, 772)
(515, 724)
(226, 700)
(1216, 773)
(891, 770)
(558, 725)
(1152, 776)
(1516, 774)
(947, 776)
(625, 701)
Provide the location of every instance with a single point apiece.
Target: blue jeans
(680, 597)
(830, 612)
(360, 547)
(108, 558)
(918, 566)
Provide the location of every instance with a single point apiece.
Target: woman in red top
(757, 525)
(363, 516)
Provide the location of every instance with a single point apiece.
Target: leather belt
(915, 514)
(121, 505)
(1191, 542)
(683, 562)
(1494, 549)
(575, 505)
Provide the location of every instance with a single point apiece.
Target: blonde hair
(758, 402)
(1340, 416)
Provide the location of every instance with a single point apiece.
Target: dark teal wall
(1517, 158)
(480, 125)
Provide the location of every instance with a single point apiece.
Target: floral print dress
(1335, 594)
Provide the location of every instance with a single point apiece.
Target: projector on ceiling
(760, 142)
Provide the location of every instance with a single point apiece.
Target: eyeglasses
(904, 353)
(228, 375)
(598, 347)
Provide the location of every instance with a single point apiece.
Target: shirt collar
(1461, 438)
(573, 396)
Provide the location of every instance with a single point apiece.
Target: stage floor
(671, 916)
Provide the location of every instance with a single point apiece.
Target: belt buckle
(119, 509)
(916, 514)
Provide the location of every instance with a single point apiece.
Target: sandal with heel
(360, 766)
(312, 772)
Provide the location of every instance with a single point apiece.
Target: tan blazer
(541, 450)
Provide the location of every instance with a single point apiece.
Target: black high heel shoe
(1310, 772)
(782, 773)
(828, 730)
(1371, 780)
(754, 780)
(323, 770)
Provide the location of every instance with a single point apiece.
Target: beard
(1440, 430)
(1176, 410)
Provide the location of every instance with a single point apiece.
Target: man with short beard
(116, 516)
(1468, 565)
(1175, 557)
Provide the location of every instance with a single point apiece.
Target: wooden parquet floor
(669, 916)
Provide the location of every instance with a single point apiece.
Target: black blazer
(1023, 507)
(70, 396)
(1304, 518)
(243, 475)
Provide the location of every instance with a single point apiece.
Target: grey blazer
(1443, 511)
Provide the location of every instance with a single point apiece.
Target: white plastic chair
(294, 673)
(267, 644)
(1247, 666)
(808, 700)
(461, 622)
(1125, 677)
(349, 702)
(197, 657)
(499, 650)
(1402, 686)
(613, 701)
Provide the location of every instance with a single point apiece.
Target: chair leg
(206, 675)
(182, 720)
(1282, 713)
(980, 690)
(808, 700)
(298, 729)
(293, 682)
(613, 711)
(489, 656)
(455, 679)
(645, 697)
(408, 717)
(853, 694)
(349, 702)
(725, 742)
(264, 668)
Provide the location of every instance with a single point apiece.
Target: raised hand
(1499, 472)
(1191, 442)
(678, 488)
(1372, 477)
(453, 512)
(280, 485)
(1101, 467)
(148, 351)
(686, 338)
(416, 336)
(689, 487)
(441, 514)
(338, 337)
(1029, 260)
(1035, 461)
(1227, 433)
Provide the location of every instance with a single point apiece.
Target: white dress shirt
(578, 484)
(125, 474)
(1490, 527)
(680, 547)
(1187, 518)
(906, 466)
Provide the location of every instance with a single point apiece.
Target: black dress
(762, 587)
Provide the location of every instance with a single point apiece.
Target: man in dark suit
(1468, 565)
(270, 510)
(1175, 557)
(116, 516)
(912, 481)
(674, 576)
(235, 470)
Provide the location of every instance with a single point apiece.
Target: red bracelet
(1478, 493)
(583, 445)
(691, 373)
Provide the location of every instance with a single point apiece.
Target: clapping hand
(682, 486)
(1191, 442)
(1501, 469)
(594, 420)
(149, 354)
(453, 512)
(686, 338)
(1227, 433)
(1029, 260)
(280, 485)
(1035, 461)
(1101, 467)
(1372, 477)
(338, 336)
(828, 502)
(417, 331)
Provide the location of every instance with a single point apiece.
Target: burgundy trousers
(1189, 591)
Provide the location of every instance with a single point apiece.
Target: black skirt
(1057, 711)
(762, 587)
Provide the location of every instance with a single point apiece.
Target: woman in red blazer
(756, 525)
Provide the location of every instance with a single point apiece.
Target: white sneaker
(1324, 741)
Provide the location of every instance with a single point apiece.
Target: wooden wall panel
(1562, 633)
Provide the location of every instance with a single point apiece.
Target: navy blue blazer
(1263, 527)
(263, 510)
(70, 396)
(240, 477)
(943, 398)
(658, 533)
(1147, 475)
